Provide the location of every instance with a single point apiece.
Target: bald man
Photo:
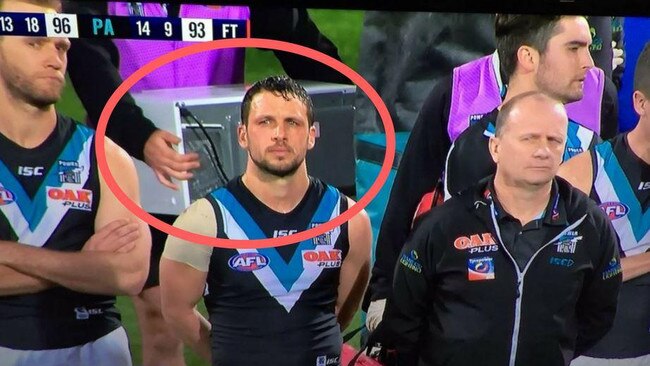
(520, 269)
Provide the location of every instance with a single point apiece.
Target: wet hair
(513, 31)
(280, 85)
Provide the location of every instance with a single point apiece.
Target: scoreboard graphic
(125, 27)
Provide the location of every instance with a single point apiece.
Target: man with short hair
(67, 245)
(274, 306)
(616, 175)
(520, 269)
(548, 53)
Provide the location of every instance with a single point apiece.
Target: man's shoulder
(578, 204)
(452, 211)
(69, 122)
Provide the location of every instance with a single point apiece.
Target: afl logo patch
(614, 210)
(6, 197)
(248, 262)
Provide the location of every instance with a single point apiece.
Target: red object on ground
(347, 354)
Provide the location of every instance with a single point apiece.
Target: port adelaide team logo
(70, 171)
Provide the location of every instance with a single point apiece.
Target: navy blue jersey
(621, 189)
(276, 306)
(48, 198)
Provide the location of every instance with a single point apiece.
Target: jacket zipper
(520, 278)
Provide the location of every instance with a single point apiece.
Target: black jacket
(560, 304)
(420, 169)
(93, 67)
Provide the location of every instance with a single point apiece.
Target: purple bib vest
(477, 87)
(217, 67)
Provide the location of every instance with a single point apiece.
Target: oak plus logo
(78, 199)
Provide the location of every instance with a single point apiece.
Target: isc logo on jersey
(6, 197)
(78, 199)
(330, 258)
(248, 262)
(614, 210)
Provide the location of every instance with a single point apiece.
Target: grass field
(342, 27)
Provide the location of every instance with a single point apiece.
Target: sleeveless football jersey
(620, 190)
(276, 306)
(48, 198)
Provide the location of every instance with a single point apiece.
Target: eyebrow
(578, 43)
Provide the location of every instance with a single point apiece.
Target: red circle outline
(245, 43)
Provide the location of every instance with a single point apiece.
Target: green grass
(343, 28)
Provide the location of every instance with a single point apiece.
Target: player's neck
(523, 203)
(639, 140)
(518, 84)
(24, 124)
(279, 194)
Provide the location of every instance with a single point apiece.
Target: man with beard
(67, 245)
(274, 306)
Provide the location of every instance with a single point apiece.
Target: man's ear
(311, 139)
(494, 148)
(527, 59)
(242, 136)
(640, 102)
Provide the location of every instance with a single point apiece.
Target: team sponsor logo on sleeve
(70, 171)
(568, 242)
(614, 210)
(480, 269)
(411, 260)
(324, 258)
(248, 262)
(476, 243)
(77, 199)
(613, 268)
(6, 196)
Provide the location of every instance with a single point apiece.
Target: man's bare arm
(183, 273)
(13, 282)
(355, 269)
(96, 269)
(578, 171)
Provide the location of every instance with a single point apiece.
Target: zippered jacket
(459, 297)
